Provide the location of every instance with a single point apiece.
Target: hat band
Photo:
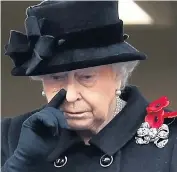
(95, 37)
(78, 37)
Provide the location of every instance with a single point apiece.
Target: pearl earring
(43, 93)
(118, 92)
(120, 104)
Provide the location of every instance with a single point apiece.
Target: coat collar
(125, 125)
(115, 134)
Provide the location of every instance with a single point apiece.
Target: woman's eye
(58, 77)
(87, 77)
(87, 80)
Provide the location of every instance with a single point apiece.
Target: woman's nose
(72, 94)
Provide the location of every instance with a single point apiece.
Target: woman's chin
(79, 124)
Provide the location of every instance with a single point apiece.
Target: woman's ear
(117, 78)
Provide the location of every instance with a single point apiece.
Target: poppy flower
(156, 114)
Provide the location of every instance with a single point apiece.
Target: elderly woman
(93, 120)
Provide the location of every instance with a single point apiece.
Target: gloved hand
(39, 136)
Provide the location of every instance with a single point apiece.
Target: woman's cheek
(99, 104)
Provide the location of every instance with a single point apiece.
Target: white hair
(123, 71)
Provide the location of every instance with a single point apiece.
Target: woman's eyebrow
(56, 74)
(87, 71)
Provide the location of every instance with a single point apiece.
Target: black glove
(39, 136)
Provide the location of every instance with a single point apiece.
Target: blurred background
(152, 27)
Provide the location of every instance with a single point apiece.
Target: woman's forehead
(85, 70)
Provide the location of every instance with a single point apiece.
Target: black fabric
(174, 157)
(116, 139)
(83, 58)
(63, 36)
(72, 16)
(43, 130)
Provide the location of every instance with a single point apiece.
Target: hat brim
(83, 58)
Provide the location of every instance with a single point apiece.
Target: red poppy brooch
(153, 129)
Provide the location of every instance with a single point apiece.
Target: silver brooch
(158, 136)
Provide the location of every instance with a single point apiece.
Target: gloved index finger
(58, 99)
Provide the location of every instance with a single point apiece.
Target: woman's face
(90, 97)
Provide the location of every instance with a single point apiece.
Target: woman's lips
(74, 114)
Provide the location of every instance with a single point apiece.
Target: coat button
(61, 41)
(106, 160)
(60, 162)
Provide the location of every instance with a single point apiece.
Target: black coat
(116, 141)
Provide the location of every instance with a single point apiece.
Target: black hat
(68, 35)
